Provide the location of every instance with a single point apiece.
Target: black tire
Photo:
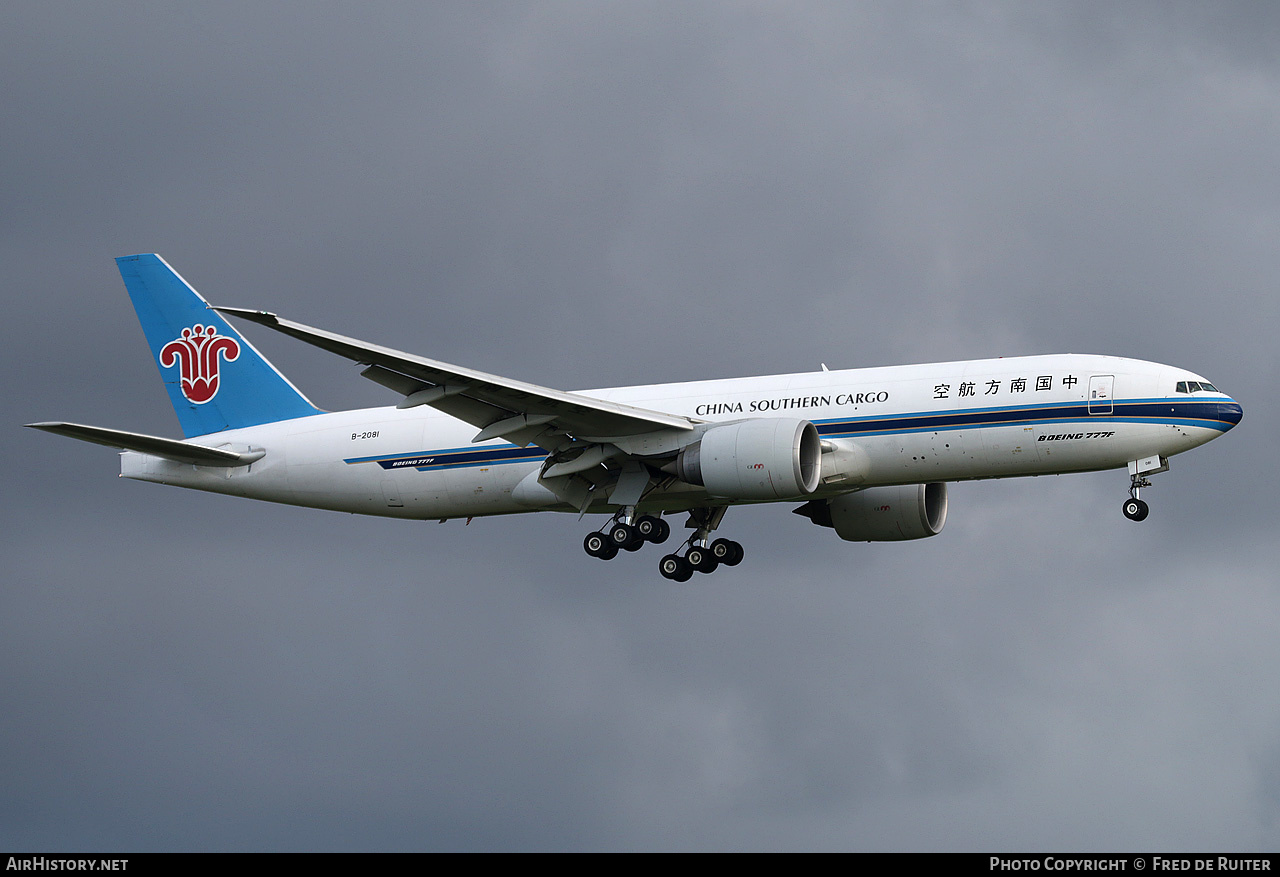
(727, 552)
(1136, 510)
(675, 567)
(701, 559)
(625, 536)
(595, 544)
(653, 529)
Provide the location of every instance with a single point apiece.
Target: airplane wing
(520, 412)
(170, 449)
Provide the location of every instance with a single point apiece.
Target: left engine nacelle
(769, 458)
(883, 514)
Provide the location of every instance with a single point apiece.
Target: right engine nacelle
(883, 514)
(768, 459)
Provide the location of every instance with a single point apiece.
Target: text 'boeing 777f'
(866, 452)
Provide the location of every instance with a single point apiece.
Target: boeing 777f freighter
(867, 452)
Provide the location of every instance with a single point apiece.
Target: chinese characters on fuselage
(963, 389)
(1016, 385)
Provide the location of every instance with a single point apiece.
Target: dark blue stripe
(455, 457)
(1203, 414)
(1209, 414)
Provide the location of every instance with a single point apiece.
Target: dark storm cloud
(591, 195)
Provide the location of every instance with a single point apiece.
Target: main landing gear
(624, 535)
(700, 558)
(702, 555)
(626, 532)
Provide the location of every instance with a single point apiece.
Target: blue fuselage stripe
(1153, 411)
(1143, 411)
(454, 457)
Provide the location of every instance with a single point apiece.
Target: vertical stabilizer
(215, 379)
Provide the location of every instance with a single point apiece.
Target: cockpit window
(1195, 387)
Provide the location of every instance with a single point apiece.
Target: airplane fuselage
(938, 422)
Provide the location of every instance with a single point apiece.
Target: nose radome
(1229, 411)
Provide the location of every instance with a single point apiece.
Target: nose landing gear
(1134, 508)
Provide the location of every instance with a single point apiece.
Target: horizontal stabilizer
(170, 449)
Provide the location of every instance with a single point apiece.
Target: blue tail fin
(216, 380)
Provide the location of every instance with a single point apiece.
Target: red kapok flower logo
(197, 354)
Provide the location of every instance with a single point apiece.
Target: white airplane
(867, 452)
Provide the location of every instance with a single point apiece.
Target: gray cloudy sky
(592, 194)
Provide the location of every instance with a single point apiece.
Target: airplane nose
(1230, 412)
